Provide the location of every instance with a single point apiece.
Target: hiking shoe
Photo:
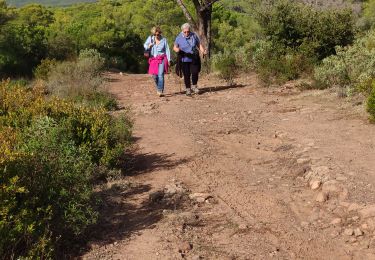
(160, 94)
(188, 92)
(195, 89)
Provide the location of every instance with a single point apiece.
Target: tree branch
(207, 5)
(186, 12)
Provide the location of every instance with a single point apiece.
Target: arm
(148, 44)
(200, 46)
(176, 48)
(203, 51)
(167, 51)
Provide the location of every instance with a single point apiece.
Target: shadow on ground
(127, 208)
(137, 163)
(213, 89)
(119, 218)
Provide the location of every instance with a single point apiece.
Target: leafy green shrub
(49, 150)
(368, 14)
(77, 80)
(83, 75)
(53, 197)
(44, 68)
(243, 58)
(273, 62)
(225, 64)
(371, 103)
(306, 29)
(297, 37)
(98, 99)
(352, 68)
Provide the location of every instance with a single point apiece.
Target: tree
(202, 24)
(23, 40)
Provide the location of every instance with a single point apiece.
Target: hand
(150, 45)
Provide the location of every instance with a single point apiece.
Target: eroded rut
(241, 172)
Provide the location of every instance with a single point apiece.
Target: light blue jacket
(160, 49)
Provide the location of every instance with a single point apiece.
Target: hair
(155, 29)
(185, 26)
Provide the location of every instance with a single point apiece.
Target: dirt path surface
(242, 172)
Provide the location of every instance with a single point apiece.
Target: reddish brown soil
(253, 150)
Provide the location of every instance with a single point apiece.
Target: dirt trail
(284, 174)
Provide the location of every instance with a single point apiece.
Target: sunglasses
(186, 32)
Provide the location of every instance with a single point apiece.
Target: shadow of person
(212, 89)
(137, 163)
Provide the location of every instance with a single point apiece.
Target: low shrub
(368, 18)
(81, 78)
(304, 28)
(97, 99)
(44, 69)
(274, 63)
(228, 64)
(46, 193)
(49, 151)
(371, 103)
(224, 63)
(297, 37)
(352, 68)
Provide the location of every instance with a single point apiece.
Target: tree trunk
(204, 28)
(202, 25)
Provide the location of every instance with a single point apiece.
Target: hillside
(19, 3)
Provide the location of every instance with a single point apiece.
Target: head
(185, 28)
(156, 31)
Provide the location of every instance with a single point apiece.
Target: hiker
(159, 57)
(187, 45)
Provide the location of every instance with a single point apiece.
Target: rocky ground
(240, 172)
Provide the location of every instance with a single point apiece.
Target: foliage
(117, 29)
(232, 30)
(44, 68)
(49, 151)
(23, 40)
(371, 103)
(273, 62)
(20, 3)
(297, 37)
(225, 64)
(368, 14)
(312, 31)
(353, 67)
(229, 64)
(70, 79)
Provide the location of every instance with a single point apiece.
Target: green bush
(368, 18)
(371, 103)
(44, 69)
(99, 98)
(53, 201)
(77, 78)
(225, 64)
(352, 68)
(297, 37)
(274, 63)
(50, 150)
(301, 27)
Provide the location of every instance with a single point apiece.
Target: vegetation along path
(242, 172)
